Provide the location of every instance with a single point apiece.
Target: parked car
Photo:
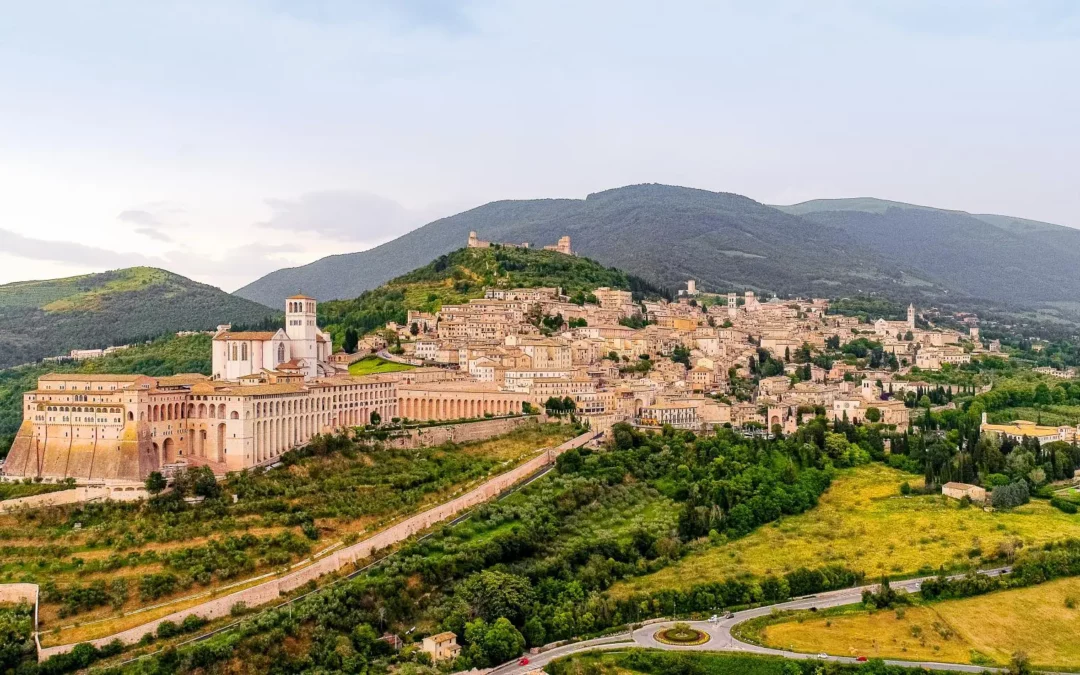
(524, 661)
(861, 659)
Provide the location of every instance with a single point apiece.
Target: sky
(224, 139)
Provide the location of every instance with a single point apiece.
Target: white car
(823, 656)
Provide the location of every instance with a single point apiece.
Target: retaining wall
(272, 590)
(75, 496)
(458, 433)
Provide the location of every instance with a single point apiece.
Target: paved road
(721, 639)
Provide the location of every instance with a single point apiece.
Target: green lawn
(372, 365)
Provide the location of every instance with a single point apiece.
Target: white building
(300, 345)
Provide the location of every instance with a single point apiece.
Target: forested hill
(668, 234)
(50, 318)
(985, 256)
(168, 355)
(463, 275)
(662, 233)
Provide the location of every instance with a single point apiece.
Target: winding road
(721, 639)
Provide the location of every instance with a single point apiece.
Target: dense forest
(50, 318)
(164, 356)
(463, 275)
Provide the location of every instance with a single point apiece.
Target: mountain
(667, 234)
(1014, 260)
(50, 318)
(462, 275)
(663, 233)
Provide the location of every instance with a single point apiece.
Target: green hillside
(462, 275)
(50, 318)
(165, 356)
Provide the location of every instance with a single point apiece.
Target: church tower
(911, 317)
(301, 329)
(732, 305)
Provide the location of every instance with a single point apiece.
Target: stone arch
(234, 416)
(219, 445)
(168, 449)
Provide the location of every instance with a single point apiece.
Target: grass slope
(973, 630)
(371, 365)
(165, 356)
(863, 523)
(50, 318)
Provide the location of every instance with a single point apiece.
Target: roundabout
(681, 635)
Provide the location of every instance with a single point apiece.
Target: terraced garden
(100, 561)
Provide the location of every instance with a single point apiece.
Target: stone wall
(271, 590)
(16, 593)
(75, 496)
(458, 433)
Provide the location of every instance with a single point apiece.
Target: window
(244, 352)
(234, 353)
(281, 353)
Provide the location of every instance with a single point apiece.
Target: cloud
(149, 224)
(345, 215)
(67, 252)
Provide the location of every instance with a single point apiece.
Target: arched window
(244, 352)
(281, 353)
(234, 353)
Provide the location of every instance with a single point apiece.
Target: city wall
(272, 590)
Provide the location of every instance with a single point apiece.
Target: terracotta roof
(299, 297)
(266, 389)
(98, 377)
(246, 335)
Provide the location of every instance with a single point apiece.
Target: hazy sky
(224, 139)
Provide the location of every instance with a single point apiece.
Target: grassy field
(863, 523)
(280, 517)
(371, 365)
(981, 630)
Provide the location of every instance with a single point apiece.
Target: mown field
(863, 523)
(98, 562)
(372, 365)
(657, 662)
(16, 490)
(1042, 621)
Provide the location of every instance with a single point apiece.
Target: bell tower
(911, 317)
(300, 326)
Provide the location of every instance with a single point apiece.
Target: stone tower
(911, 316)
(732, 305)
(303, 332)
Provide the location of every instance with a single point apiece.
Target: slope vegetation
(49, 318)
(984, 256)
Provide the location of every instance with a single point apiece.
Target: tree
(352, 339)
(873, 415)
(535, 635)
(375, 418)
(490, 645)
(155, 482)
(414, 329)
(492, 594)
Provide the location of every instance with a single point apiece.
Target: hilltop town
(698, 362)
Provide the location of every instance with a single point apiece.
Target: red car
(524, 661)
(861, 659)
